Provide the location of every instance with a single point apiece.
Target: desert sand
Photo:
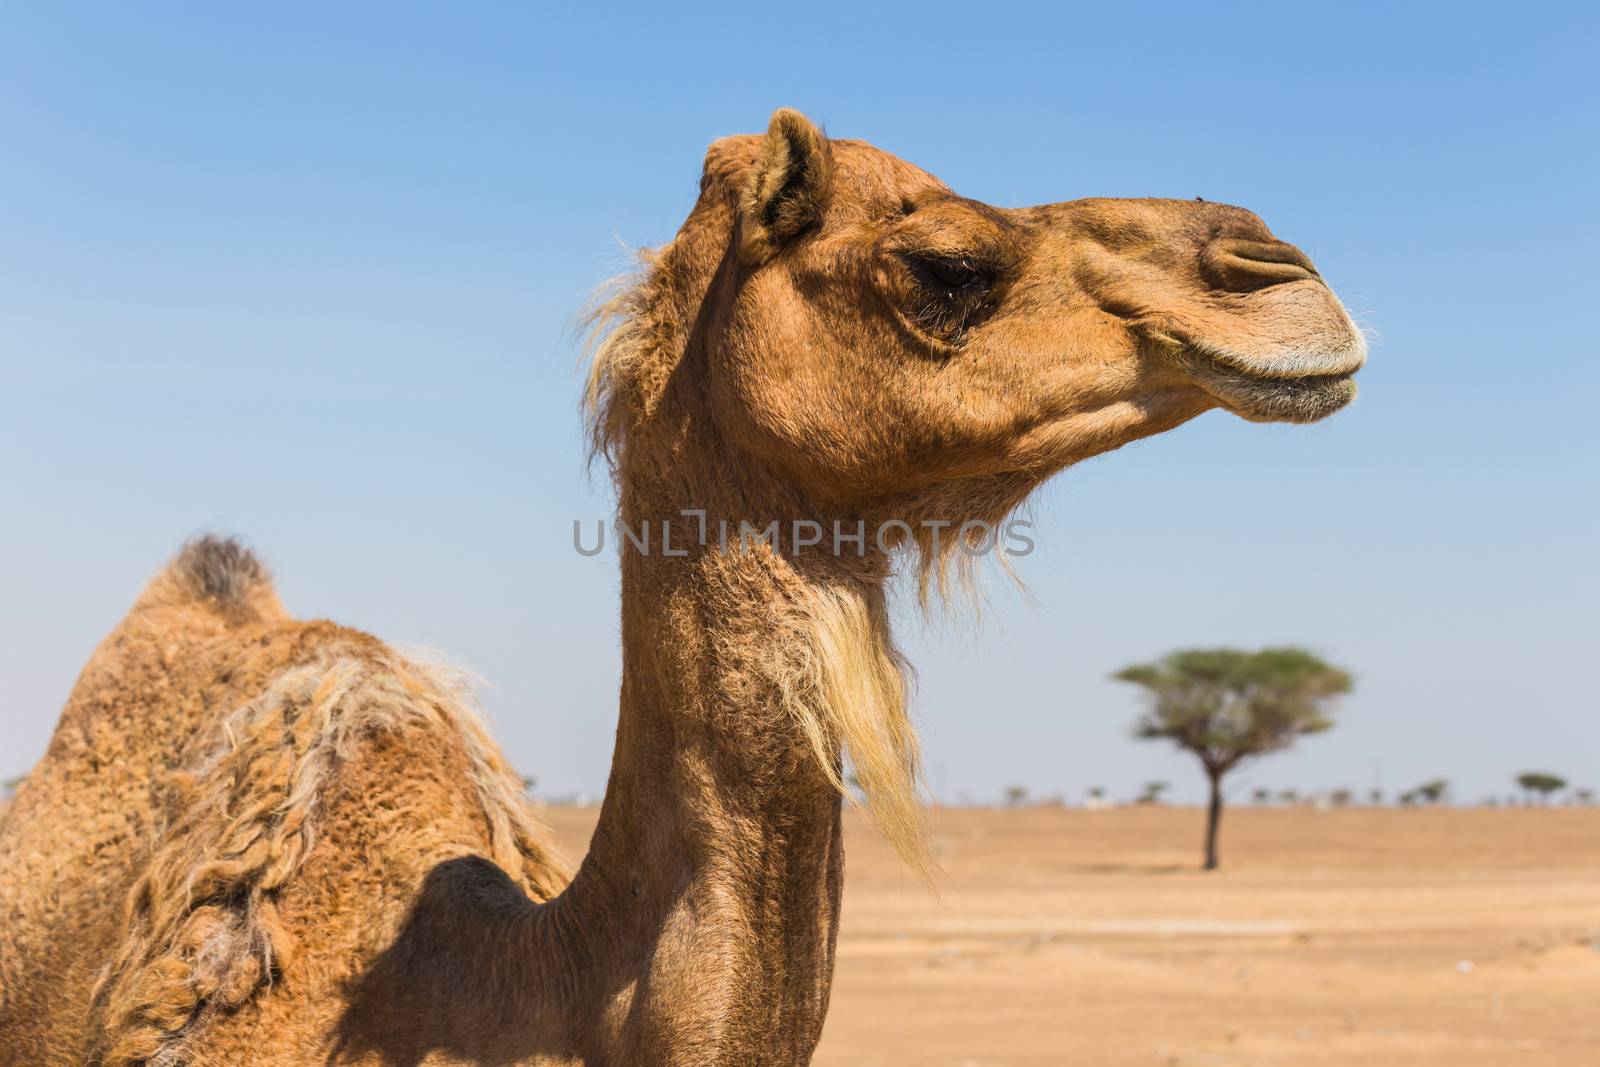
(1371, 937)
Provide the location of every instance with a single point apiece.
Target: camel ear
(790, 188)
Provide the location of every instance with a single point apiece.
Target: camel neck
(711, 890)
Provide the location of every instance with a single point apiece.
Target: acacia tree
(1542, 783)
(1151, 794)
(1226, 706)
(1433, 790)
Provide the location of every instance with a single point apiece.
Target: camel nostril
(1241, 266)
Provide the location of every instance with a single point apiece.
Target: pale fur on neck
(842, 681)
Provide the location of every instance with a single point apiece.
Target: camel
(268, 841)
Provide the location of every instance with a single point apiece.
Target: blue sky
(306, 272)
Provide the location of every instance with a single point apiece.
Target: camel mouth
(1274, 398)
(1288, 353)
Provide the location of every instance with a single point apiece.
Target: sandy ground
(1365, 937)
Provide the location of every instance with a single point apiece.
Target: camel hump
(224, 575)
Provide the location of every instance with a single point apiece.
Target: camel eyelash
(952, 277)
(950, 295)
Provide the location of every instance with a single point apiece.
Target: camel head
(895, 348)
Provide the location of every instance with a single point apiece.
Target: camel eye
(952, 294)
(954, 275)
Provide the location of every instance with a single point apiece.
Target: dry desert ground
(1370, 937)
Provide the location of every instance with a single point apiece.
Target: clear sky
(305, 272)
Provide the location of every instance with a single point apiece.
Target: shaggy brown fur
(256, 840)
(202, 921)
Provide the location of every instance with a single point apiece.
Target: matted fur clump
(202, 922)
(632, 334)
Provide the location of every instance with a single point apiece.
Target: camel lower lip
(1266, 399)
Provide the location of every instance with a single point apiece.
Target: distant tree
(1408, 799)
(1151, 794)
(1261, 795)
(1288, 796)
(1541, 783)
(1584, 796)
(1341, 798)
(1226, 706)
(1433, 791)
(1375, 798)
(1016, 796)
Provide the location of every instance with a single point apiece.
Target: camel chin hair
(843, 682)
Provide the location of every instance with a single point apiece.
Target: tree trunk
(1213, 819)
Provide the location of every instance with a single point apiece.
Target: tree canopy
(1226, 705)
(1541, 782)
